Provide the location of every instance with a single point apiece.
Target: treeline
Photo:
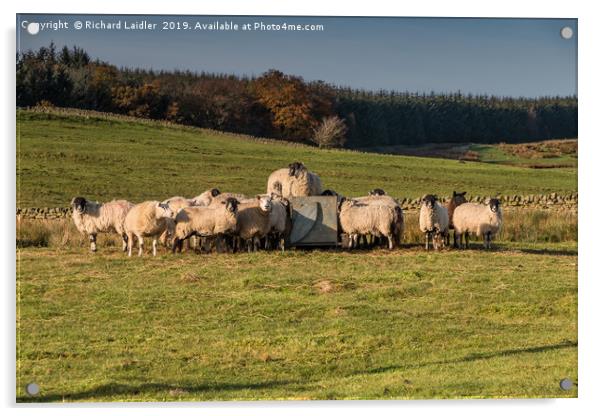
(284, 106)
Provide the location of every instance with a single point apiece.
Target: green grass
(362, 325)
(319, 324)
(62, 155)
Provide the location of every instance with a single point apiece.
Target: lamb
(215, 220)
(254, 221)
(357, 218)
(479, 219)
(434, 221)
(294, 181)
(458, 198)
(91, 218)
(147, 219)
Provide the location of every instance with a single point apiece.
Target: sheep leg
(93, 242)
(125, 242)
(154, 246)
(130, 243)
(426, 235)
(140, 245)
(466, 241)
(174, 245)
(391, 245)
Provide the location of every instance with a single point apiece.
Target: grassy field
(315, 324)
(61, 156)
(362, 325)
(548, 154)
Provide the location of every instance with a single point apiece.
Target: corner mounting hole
(566, 384)
(566, 32)
(32, 389)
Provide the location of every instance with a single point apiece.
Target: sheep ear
(258, 197)
(463, 193)
(487, 200)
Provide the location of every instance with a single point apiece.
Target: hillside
(67, 153)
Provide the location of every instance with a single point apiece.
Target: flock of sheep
(232, 222)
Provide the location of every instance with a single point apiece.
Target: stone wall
(549, 201)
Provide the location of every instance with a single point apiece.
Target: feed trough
(314, 221)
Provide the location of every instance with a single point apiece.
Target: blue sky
(510, 57)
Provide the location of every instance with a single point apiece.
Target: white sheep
(295, 180)
(147, 219)
(215, 220)
(434, 221)
(206, 197)
(482, 220)
(254, 221)
(91, 218)
(376, 198)
(357, 218)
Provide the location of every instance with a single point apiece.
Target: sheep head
(265, 203)
(163, 211)
(494, 204)
(231, 205)
(79, 204)
(377, 191)
(429, 200)
(296, 168)
(459, 198)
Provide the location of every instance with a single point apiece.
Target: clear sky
(510, 57)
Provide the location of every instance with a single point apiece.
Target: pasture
(303, 324)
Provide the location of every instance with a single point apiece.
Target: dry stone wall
(548, 201)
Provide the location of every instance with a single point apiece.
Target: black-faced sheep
(357, 218)
(295, 180)
(434, 221)
(147, 219)
(91, 218)
(482, 220)
(213, 221)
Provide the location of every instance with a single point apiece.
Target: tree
(330, 133)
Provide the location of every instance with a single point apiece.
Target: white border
(590, 275)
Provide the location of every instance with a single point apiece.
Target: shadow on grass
(472, 357)
(546, 252)
(110, 390)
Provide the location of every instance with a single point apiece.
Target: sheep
(224, 196)
(357, 218)
(381, 198)
(434, 221)
(91, 218)
(254, 221)
(175, 203)
(280, 222)
(479, 219)
(205, 198)
(458, 198)
(295, 180)
(147, 219)
(215, 220)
